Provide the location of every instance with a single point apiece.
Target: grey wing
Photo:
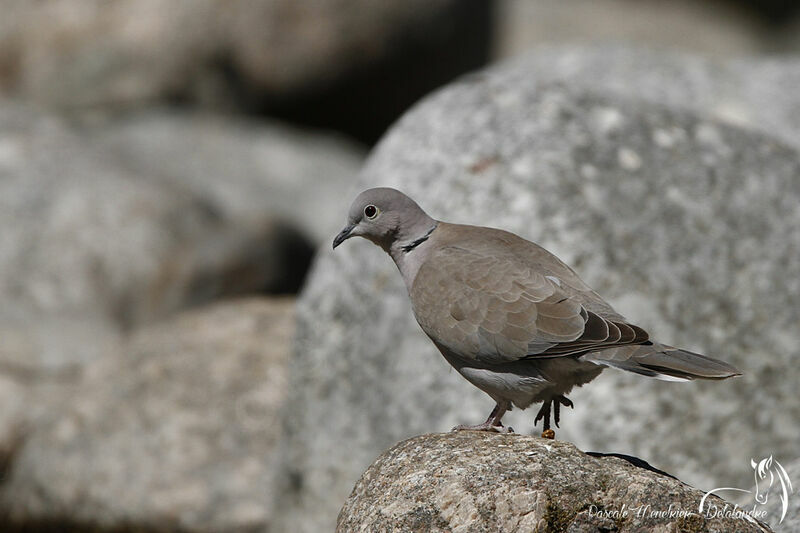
(626, 346)
(497, 308)
(566, 278)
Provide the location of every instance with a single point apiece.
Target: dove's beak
(345, 234)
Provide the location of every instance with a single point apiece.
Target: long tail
(663, 362)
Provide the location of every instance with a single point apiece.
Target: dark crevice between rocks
(276, 262)
(362, 103)
(272, 261)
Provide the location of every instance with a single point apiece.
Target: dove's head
(386, 217)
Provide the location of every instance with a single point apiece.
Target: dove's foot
(492, 423)
(551, 406)
(486, 426)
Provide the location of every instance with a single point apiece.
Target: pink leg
(492, 423)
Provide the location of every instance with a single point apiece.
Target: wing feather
(496, 308)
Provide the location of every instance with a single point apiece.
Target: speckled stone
(471, 482)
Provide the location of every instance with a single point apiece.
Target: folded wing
(496, 304)
(496, 308)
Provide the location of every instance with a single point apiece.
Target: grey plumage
(512, 318)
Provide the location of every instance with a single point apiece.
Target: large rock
(177, 433)
(686, 224)
(471, 482)
(278, 54)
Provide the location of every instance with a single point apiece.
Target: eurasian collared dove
(507, 314)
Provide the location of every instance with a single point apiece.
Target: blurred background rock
(158, 156)
(351, 65)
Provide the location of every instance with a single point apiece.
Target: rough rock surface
(178, 433)
(473, 482)
(686, 224)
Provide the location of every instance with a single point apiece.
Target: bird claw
(552, 407)
(543, 414)
(549, 434)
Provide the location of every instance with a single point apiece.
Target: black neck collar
(413, 244)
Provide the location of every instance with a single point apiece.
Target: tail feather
(663, 362)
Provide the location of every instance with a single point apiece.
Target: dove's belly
(520, 390)
(526, 381)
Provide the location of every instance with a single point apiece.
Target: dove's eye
(370, 211)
